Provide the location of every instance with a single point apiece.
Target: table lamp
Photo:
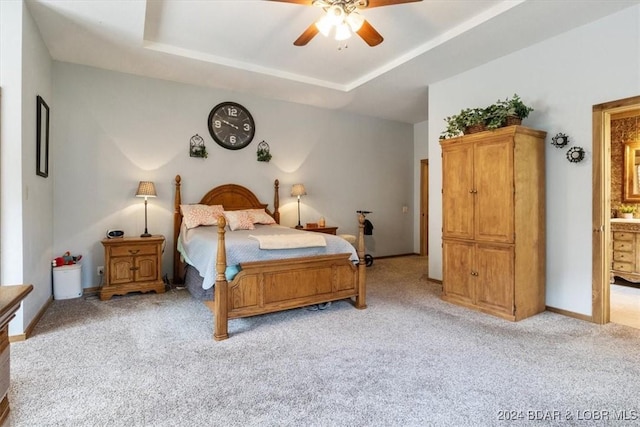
(146, 189)
(298, 190)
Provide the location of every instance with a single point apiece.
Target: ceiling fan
(343, 17)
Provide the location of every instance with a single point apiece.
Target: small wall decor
(197, 147)
(560, 140)
(263, 152)
(42, 138)
(575, 154)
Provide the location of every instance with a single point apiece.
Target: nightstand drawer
(133, 250)
(325, 230)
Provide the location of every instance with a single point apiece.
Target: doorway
(601, 224)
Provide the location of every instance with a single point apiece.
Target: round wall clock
(231, 125)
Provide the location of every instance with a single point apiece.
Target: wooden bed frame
(269, 286)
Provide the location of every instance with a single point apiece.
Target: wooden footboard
(269, 286)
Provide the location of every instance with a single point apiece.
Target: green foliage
(457, 124)
(263, 155)
(627, 209)
(515, 107)
(493, 117)
(199, 151)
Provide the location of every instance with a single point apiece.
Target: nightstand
(325, 230)
(132, 264)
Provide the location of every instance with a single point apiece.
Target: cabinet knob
(134, 268)
(133, 252)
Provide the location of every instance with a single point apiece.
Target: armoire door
(494, 279)
(457, 201)
(457, 272)
(494, 190)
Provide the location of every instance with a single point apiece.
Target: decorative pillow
(195, 215)
(239, 220)
(260, 216)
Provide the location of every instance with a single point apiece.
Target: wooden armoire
(493, 221)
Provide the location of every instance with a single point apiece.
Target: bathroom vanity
(626, 254)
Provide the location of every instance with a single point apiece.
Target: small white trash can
(67, 281)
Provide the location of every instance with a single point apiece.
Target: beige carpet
(410, 359)
(625, 305)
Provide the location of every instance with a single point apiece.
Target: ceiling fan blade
(379, 3)
(302, 2)
(307, 35)
(369, 34)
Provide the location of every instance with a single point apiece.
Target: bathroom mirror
(632, 173)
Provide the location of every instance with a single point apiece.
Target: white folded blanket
(290, 241)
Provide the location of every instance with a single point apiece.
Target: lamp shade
(146, 189)
(298, 190)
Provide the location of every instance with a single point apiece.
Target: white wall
(562, 78)
(420, 152)
(27, 201)
(113, 130)
(11, 148)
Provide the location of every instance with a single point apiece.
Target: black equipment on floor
(368, 231)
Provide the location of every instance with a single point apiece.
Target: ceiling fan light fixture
(335, 14)
(355, 21)
(343, 32)
(324, 25)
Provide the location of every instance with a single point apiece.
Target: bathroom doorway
(602, 207)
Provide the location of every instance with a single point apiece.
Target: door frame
(424, 207)
(601, 207)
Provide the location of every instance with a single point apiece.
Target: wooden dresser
(10, 299)
(625, 261)
(493, 217)
(132, 264)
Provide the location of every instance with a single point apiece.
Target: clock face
(231, 125)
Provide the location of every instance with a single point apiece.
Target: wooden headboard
(233, 197)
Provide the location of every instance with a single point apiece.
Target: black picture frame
(42, 138)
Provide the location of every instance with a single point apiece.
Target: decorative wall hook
(197, 147)
(263, 152)
(560, 140)
(575, 154)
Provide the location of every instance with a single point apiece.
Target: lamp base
(299, 226)
(145, 235)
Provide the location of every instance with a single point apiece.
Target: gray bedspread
(198, 247)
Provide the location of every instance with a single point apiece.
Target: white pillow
(196, 215)
(260, 216)
(239, 220)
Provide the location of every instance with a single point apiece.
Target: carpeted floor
(410, 359)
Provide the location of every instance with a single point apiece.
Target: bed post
(276, 201)
(361, 298)
(177, 222)
(222, 288)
